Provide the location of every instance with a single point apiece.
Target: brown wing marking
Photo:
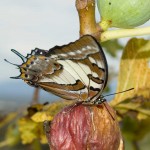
(74, 92)
(76, 50)
(95, 75)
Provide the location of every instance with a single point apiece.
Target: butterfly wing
(77, 71)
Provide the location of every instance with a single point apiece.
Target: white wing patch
(88, 47)
(99, 63)
(46, 79)
(54, 56)
(84, 49)
(63, 55)
(85, 68)
(94, 74)
(78, 51)
(95, 85)
(79, 71)
(92, 60)
(72, 53)
(59, 80)
(67, 77)
(69, 69)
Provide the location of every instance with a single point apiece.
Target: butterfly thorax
(36, 68)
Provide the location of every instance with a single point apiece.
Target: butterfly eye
(35, 58)
(26, 76)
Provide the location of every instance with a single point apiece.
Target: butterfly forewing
(77, 71)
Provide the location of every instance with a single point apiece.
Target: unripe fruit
(123, 13)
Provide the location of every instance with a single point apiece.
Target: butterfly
(76, 71)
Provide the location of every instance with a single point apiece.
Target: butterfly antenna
(18, 77)
(118, 92)
(24, 59)
(11, 63)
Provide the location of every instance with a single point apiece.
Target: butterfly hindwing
(77, 71)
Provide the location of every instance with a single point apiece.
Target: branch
(86, 12)
(120, 33)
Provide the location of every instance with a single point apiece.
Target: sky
(25, 25)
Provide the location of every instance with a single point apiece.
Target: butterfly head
(33, 66)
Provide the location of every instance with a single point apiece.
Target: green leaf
(112, 47)
(7, 118)
(133, 129)
(12, 136)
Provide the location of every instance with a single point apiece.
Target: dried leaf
(30, 130)
(27, 129)
(41, 116)
(47, 112)
(134, 71)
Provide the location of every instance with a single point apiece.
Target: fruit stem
(104, 24)
(120, 33)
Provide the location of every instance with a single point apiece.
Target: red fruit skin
(105, 133)
(85, 128)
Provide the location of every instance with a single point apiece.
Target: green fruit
(123, 13)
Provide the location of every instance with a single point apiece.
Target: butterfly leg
(72, 106)
(102, 100)
(99, 101)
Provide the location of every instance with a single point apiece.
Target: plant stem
(120, 33)
(86, 12)
(130, 107)
(35, 96)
